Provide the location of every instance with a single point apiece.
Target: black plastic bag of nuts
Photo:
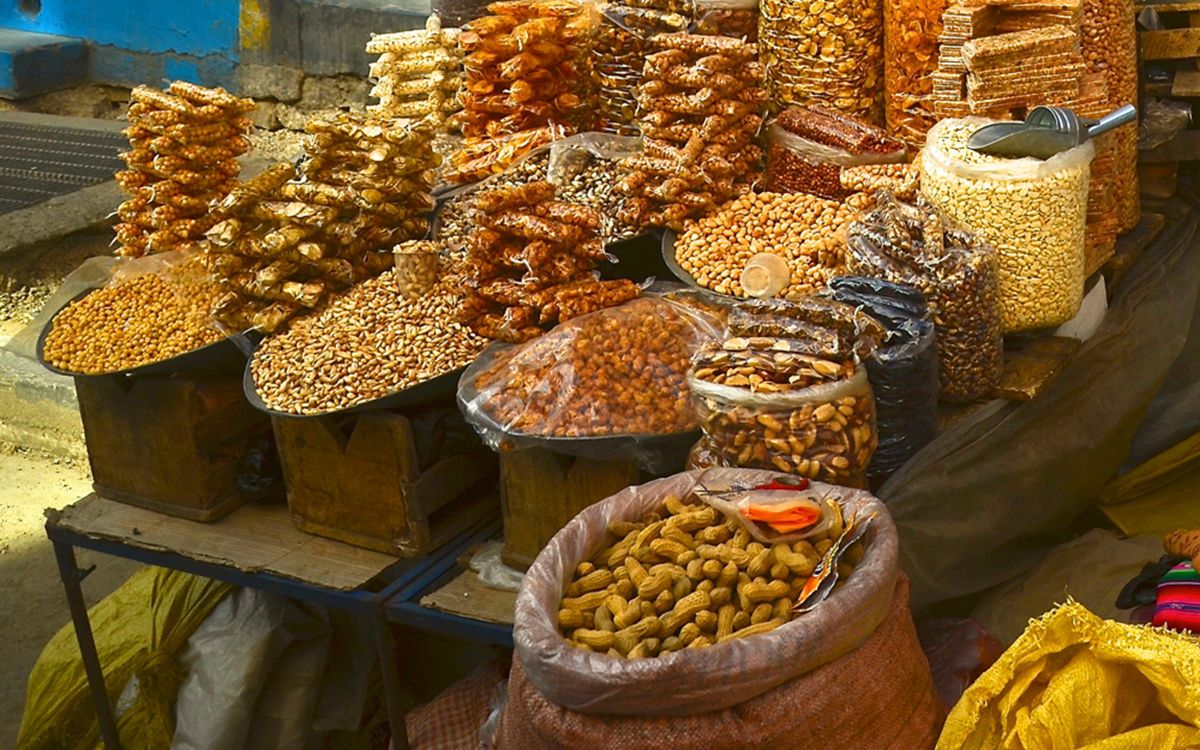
(903, 371)
(957, 273)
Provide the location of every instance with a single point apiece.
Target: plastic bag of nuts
(764, 406)
(736, 18)
(1033, 212)
(416, 267)
(956, 273)
(618, 372)
(809, 147)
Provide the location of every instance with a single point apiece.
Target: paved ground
(32, 605)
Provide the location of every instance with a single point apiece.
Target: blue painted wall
(188, 27)
(142, 41)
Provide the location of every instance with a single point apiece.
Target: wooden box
(169, 443)
(541, 491)
(358, 479)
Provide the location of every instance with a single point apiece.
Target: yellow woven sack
(1076, 681)
(138, 628)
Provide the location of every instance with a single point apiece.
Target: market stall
(722, 329)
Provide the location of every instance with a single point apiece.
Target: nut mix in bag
(1033, 212)
(619, 371)
(910, 57)
(285, 243)
(903, 370)
(825, 53)
(957, 274)
(531, 262)
(687, 575)
(809, 147)
(418, 73)
(183, 149)
(701, 100)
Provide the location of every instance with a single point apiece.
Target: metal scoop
(1046, 131)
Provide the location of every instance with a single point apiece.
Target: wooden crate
(358, 479)
(541, 491)
(169, 443)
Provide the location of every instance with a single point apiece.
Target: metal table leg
(385, 643)
(72, 577)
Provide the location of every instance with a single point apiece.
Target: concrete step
(33, 63)
(38, 410)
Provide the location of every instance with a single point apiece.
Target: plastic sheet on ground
(1091, 569)
(987, 499)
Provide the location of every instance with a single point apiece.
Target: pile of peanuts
(1036, 223)
(184, 145)
(688, 577)
(620, 371)
(806, 231)
(418, 73)
(701, 101)
(136, 322)
(368, 343)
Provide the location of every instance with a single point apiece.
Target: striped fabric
(1178, 604)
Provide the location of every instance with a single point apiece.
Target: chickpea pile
(688, 577)
(806, 231)
(146, 319)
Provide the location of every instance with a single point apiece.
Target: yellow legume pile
(146, 319)
(806, 231)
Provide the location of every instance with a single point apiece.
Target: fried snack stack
(526, 80)
(702, 101)
(531, 263)
(622, 43)
(286, 243)
(184, 145)
(418, 73)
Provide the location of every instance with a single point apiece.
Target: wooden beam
(1174, 44)
(1186, 84)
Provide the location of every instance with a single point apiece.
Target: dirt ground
(32, 604)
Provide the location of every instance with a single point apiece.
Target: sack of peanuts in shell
(717, 654)
(618, 373)
(809, 147)
(1033, 212)
(956, 272)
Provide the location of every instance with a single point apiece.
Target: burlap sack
(696, 680)
(879, 696)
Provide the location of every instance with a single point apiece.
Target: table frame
(370, 605)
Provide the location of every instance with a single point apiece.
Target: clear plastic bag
(824, 432)
(814, 55)
(126, 313)
(619, 374)
(903, 371)
(809, 148)
(693, 681)
(1162, 120)
(736, 18)
(910, 46)
(1033, 212)
(957, 275)
(622, 43)
(586, 168)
